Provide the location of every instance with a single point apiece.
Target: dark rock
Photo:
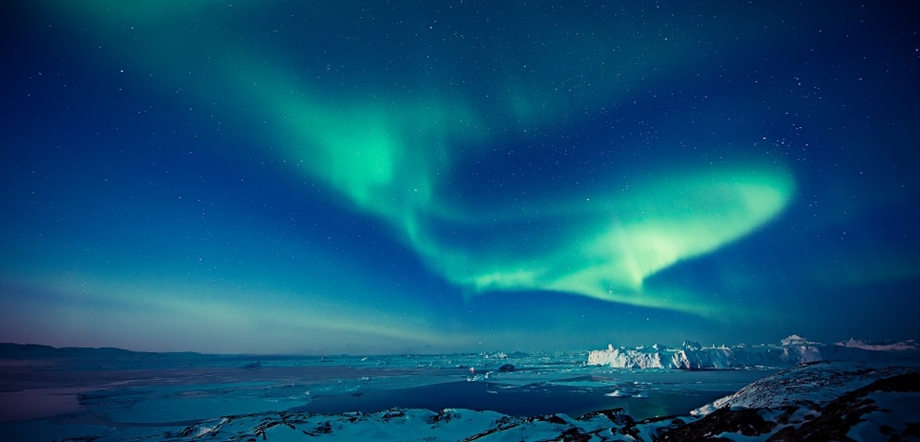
(841, 414)
(393, 413)
(618, 416)
(574, 435)
(551, 418)
(325, 428)
(445, 415)
(506, 368)
(746, 421)
(912, 430)
(623, 422)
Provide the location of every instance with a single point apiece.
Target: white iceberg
(692, 356)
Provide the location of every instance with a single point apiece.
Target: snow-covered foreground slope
(413, 425)
(819, 401)
(804, 385)
(692, 356)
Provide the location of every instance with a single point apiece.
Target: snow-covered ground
(109, 395)
(803, 386)
(820, 400)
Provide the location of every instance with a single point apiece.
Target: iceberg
(690, 355)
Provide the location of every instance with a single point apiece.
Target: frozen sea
(48, 394)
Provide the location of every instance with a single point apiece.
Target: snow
(797, 340)
(387, 425)
(895, 409)
(626, 393)
(401, 425)
(802, 386)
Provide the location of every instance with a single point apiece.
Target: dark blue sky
(457, 176)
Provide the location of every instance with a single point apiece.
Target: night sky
(437, 176)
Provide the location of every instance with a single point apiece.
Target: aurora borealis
(454, 176)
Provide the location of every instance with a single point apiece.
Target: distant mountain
(36, 351)
(110, 358)
(909, 345)
(791, 351)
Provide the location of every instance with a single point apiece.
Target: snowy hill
(803, 386)
(692, 356)
(822, 401)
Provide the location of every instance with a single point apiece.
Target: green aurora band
(392, 154)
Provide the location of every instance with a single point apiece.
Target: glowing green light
(389, 154)
(643, 234)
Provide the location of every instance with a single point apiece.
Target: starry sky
(417, 176)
